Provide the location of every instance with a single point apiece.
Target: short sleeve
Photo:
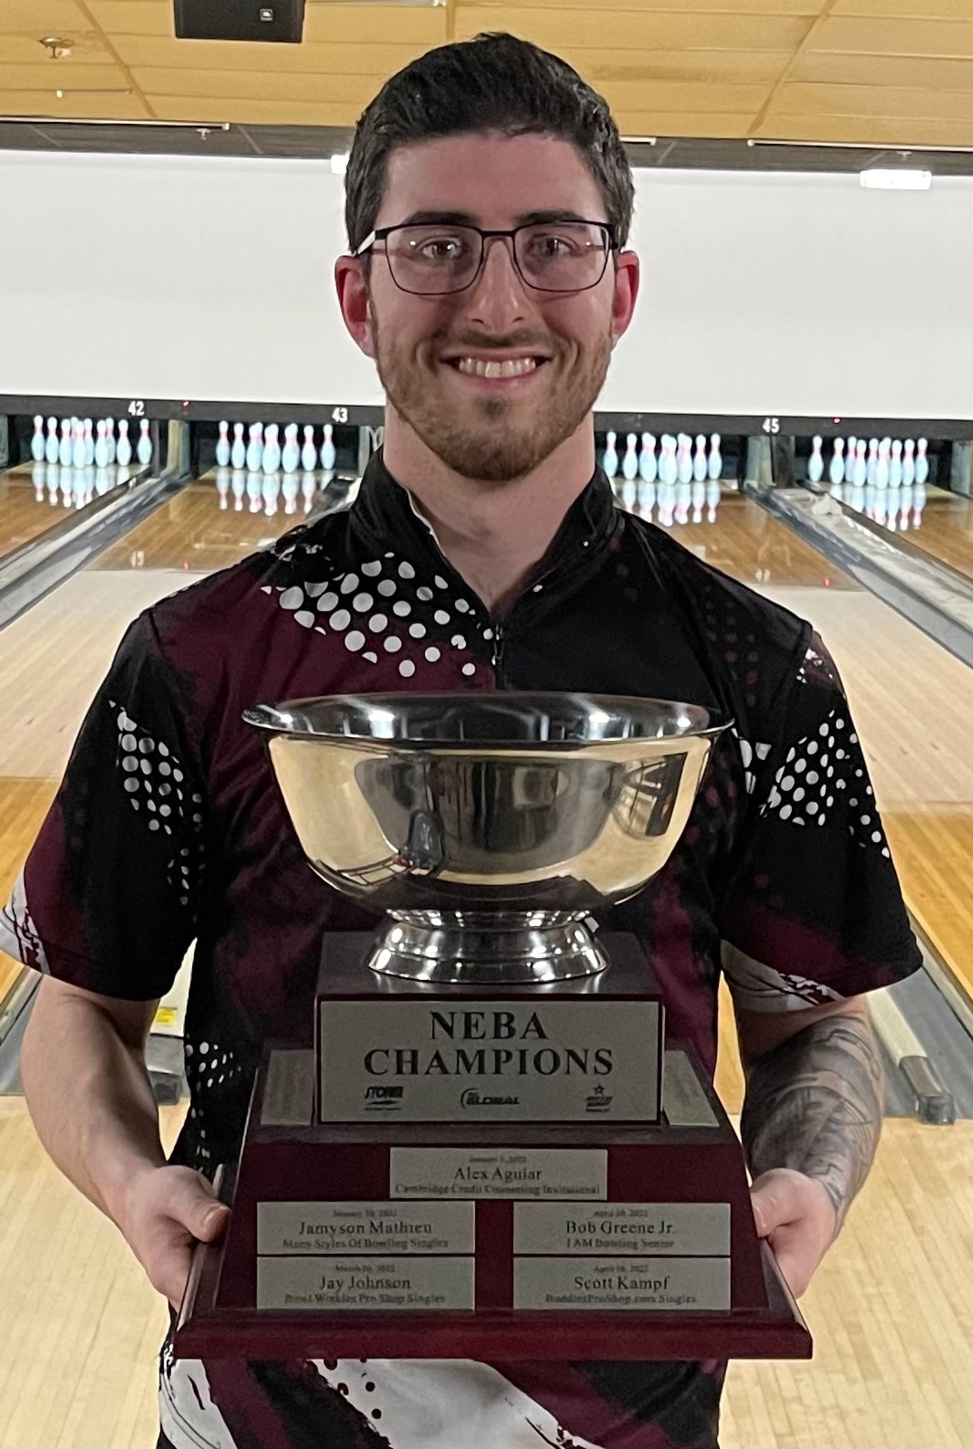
(109, 897)
(814, 911)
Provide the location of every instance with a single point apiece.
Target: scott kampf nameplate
(528, 1060)
(681, 1229)
(366, 1284)
(323, 1228)
(463, 1172)
(626, 1284)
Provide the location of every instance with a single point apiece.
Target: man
(488, 205)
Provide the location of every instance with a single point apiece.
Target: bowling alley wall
(170, 277)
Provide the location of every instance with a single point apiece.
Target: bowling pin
(670, 472)
(908, 463)
(882, 463)
(37, 443)
(871, 466)
(255, 491)
(859, 475)
(290, 490)
(609, 461)
(223, 484)
(648, 463)
(78, 450)
(684, 464)
(309, 453)
(329, 452)
(50, 446)
(714, 468)
(255, 448)
(123, 450)
(89, 442)
(836, 468)
(143, 449)
(110, 440)
(307, 490)
(223, 450)
(630, 462)
(238, 488)
(815, 463)
(270, 458)
(699, 496)
(895, 464)
(238, 451)
(101, 446)
(65, 445)
(290, 454)
(713, 495)
(922, 469)
(700, 461)
(850, 459)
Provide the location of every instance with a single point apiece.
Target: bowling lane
(37, 496)
(942, 527)
(53, 658)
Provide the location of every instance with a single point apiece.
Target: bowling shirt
(169, 828)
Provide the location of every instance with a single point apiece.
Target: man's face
(492, 429)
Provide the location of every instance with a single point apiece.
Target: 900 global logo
(472, 1098)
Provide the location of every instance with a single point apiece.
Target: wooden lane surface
(946, 534)
(192, 532)
(23, 516)
(889, 1310)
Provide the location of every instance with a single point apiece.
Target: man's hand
(167, 1210)
(798, 1219)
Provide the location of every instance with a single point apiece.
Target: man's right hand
(167, 1210)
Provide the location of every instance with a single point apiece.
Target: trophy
(493, 1150)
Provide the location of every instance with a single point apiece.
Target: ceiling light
(897, 179)
(339, 163)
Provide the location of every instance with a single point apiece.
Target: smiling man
(489, 201)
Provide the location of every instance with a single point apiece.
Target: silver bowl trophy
(493, 1151)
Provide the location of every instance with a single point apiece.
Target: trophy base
(352, 1240)
(510, 949)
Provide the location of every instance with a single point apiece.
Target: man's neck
(495, 535)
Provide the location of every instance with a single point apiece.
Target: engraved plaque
(622, 1284)
(681, 1229)
(528, 1060)
(464, 1172)
(364, 1227)
(365, 1284)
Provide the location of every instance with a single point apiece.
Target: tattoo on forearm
(815, 1104)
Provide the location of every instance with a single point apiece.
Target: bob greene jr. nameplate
(527, 1060)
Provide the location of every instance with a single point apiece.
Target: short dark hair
(492, 83)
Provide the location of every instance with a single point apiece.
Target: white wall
(174, 277)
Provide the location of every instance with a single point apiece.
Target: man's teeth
(515, 367)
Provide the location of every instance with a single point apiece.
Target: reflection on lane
(945, 519)
(29, 492)
(222, 518)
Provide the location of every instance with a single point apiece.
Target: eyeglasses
(433, 259)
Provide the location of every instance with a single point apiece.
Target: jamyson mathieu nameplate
(494, 1148)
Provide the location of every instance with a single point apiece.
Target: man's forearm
(90, 1098)
(815, 1104)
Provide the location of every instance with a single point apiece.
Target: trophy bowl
(487, 826)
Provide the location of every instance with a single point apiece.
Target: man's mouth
(496, 368)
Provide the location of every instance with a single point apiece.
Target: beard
(494, 442)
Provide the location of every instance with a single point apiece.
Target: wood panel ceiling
(872, 72)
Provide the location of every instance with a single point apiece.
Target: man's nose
(499, 297)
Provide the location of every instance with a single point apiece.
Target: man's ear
(355, 302)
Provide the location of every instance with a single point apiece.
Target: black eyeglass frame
(382, 233)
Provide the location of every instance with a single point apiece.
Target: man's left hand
(798, 1219)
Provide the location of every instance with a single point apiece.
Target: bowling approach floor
(894, 1356)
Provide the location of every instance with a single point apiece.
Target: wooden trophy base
(486, 1240)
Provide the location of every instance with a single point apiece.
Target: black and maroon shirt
(169, 827)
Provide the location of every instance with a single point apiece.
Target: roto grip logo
(383, 1099)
